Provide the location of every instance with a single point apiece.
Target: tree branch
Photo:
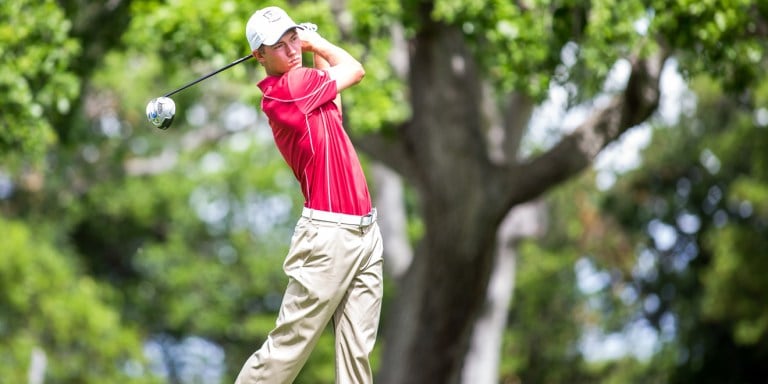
(577, 150)
(389, 150)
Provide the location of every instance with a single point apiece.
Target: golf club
(162, 110)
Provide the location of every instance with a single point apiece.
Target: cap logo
(271, 16)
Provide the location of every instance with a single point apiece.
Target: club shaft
(230, 65)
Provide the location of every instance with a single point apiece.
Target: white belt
(340, 218)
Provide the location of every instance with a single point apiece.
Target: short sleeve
(311, 88)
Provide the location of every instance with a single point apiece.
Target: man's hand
(309, 37)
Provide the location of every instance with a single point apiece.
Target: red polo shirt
(308, 131)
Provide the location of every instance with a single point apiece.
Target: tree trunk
(389, 198)
(481, 365)
(37, 366)
(429, 332)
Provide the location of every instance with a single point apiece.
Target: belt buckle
(368, 219)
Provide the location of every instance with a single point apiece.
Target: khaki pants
(335, 272)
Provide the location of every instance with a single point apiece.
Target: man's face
(282, 56)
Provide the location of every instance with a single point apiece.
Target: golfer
(334, 264)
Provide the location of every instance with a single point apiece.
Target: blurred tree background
(134, 255)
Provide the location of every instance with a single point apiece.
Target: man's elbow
(359, 73)
(347, 75)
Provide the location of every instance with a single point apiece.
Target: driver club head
(161, 111)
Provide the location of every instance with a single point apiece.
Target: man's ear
(258, 55)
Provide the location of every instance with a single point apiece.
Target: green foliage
(49, 306)
(703, 180)
(736, 276)
(522, 45)
(542, 331)
(373, 19)
(35, 83)
(165, 29)
(377, 101)
(716, 37)
(550, 313)
(737, 268)
(183, 272)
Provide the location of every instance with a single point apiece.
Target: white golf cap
(266, 26)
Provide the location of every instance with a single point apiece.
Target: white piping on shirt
(327, 170)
